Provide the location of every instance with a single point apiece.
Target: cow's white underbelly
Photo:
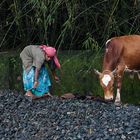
(132, 71)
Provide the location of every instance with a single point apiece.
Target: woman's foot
(29, 93)
(49, 94)
(31, 96)
(45, 95)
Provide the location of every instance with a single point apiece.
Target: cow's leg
(132, 75)
(119, 76)
(119, 83)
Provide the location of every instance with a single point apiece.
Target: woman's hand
(35, 84)
(56, 79)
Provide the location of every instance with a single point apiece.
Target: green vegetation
(77, 75)
(131, 89)
(66, 24)
(10, 69)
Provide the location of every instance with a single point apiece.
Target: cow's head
(107, 82)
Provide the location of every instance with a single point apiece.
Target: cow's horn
(97, 72)
(114, 71)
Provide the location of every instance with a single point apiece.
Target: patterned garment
(43, 79)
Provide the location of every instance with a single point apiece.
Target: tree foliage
(66, 24)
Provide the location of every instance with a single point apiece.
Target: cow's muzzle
(109, 98)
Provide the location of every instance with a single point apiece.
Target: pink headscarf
(51, 52)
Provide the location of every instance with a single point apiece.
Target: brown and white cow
(121, 54)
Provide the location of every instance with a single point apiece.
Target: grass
(131, 90)
(77, 76)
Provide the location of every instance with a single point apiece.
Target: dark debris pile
(72, 119)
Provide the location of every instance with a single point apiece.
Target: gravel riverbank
(72, 119)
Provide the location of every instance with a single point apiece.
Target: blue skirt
(43, 79)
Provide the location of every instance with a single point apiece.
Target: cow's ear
(97, 72)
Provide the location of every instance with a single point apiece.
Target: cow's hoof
(117, 103)
(110, 100)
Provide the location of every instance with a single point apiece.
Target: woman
(35, 75)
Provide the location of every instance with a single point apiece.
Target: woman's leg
(44, 83)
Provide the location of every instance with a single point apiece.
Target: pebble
(73, 119)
